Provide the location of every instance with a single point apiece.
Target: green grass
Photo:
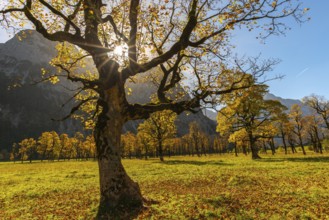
(212, 187)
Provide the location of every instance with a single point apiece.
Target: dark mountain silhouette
(26, 110)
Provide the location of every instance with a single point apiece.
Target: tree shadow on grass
(322, 159)
(229, 205)
(197, 163)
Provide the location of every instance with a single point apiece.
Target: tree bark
(146, 152)
(283, 136)
(254, 150)
(271, 142)
(301, 143)
(292, 145)
(264, 147)
(203, 149)
(160, 151)
(244, 149)
(235, 150)
(319, 145)
(120, 195)
(254, 153)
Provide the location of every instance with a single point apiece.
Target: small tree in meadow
(159, 128)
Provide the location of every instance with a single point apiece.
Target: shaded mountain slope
(27, 110)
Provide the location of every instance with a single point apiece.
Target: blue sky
(304, 53)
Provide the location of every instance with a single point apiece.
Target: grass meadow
(210, 187)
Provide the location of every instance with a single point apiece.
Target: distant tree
(239, 138)
(129, 144)
(282, 125)
(55, 148)
(71, 148)
(216, 144)
(14, 152)
(177, 146)
(195, 137)
(159, 128)
(64, 140)
(45, 143)
(221, 143)
(312, 128)
(320, 105)
(291, 136)
(247, 109)
(27, 149)
(188, 147)
(89, 146)
(296, 117)
(144, 140)
(205, 142)
(270, 132)
(78, 144)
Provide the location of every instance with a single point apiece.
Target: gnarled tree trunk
(301, 143)
(160, 150)
(283, 136)
(235, 150)
(120, 196)
(254, 150)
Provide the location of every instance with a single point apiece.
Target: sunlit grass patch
(211, 187)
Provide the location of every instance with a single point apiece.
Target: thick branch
(176, 48)
(60, 36)
(87, 83)
(138, 111)
(76, 108)
(175, 78)
(10, 10)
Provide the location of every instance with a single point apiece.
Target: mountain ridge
(269, 96)
(289, 102)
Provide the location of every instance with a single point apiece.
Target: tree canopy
(131, 37)
(159, 128)
(247, 110)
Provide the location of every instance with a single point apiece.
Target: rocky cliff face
(26, 110)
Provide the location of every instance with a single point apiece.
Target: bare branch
(182, 43)
(133, 19)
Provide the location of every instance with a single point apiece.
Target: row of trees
(156, 137)
(246, 126)
(51, 146)
(248, 120)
